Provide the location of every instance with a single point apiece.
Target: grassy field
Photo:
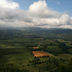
(21, 61)
(66, 57)
(14, 51)
(70, 51)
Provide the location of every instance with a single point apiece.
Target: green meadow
(18, 53)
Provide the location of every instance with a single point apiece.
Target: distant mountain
(51, 30)
(9, 33)
(40, 30)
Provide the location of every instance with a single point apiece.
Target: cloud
(40, 9)
(58, 2)
(9, 4)
(13, 17)
(63, 20)
(38, 15)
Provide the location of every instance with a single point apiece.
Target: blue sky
(36, 13)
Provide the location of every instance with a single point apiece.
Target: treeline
(11, 51)
(10, 69)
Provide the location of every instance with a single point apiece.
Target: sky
(36, 13)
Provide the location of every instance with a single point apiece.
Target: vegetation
(16, 46)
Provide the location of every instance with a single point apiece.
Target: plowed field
(40, 54)
(35, 47)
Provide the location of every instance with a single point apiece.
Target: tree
(61, 45)
(35, 61)
(56, 62)
(44, 46)
(56, 41)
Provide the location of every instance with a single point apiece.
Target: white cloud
(40, 9)
(9, 4)
(63, 20)
(58, 2)
(38, 15)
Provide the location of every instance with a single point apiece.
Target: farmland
(40, 54)
(17, 52)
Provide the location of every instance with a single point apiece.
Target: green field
(18, 52)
